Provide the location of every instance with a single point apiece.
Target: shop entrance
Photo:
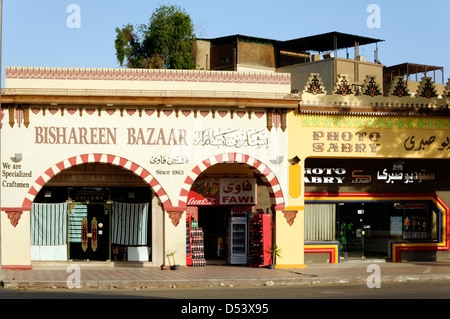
(365, 230)
(106, 215)
(89, 226)
(214, 222)
(351, 229)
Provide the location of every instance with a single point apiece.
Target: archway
(114, 212)
(229, 228)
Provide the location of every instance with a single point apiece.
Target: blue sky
(35, 33)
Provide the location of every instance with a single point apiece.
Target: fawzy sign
(222, 191)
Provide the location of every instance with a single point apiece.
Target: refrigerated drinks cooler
(188, 240)
(237, 241)
(260, 240)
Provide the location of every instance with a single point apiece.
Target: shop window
(420, 221)
(320, 221)
(377, 222)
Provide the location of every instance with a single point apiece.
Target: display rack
(261, 240)
(188, 240)
(197, 246)
(415, 228)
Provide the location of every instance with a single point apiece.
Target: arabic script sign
(364, 176)
(414, 144)
(237, 138)
(222, 191)
(237, 191)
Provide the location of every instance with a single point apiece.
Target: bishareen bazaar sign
(223, 191)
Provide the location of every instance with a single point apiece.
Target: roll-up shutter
(320, 222)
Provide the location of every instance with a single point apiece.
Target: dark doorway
(94, 242)
(350, 229)
(214, 222)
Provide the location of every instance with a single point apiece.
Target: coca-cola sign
(200, 201)
(204, 191)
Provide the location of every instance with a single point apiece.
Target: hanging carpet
(129, 224)
(75, 222)
(48, 224)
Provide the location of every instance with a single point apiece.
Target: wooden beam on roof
(150, 101)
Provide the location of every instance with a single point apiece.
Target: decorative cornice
(396, 101)
(104, 97)
(375, 122)
(147, 93)
(383, 107)
(146, 75)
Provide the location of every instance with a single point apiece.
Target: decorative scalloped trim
(146, 75)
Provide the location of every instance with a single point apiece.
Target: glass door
(351, 229)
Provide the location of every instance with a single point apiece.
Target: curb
(210, 283)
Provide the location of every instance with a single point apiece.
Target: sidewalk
(120, 276)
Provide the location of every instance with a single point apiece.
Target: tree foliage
(166, 42)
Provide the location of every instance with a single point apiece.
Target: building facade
(368, 145)
(329, 158)
(98, 164)
(375, 170)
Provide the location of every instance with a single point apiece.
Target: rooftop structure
(342, 79)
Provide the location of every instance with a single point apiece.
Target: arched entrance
(106, 210)
(229, 221)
